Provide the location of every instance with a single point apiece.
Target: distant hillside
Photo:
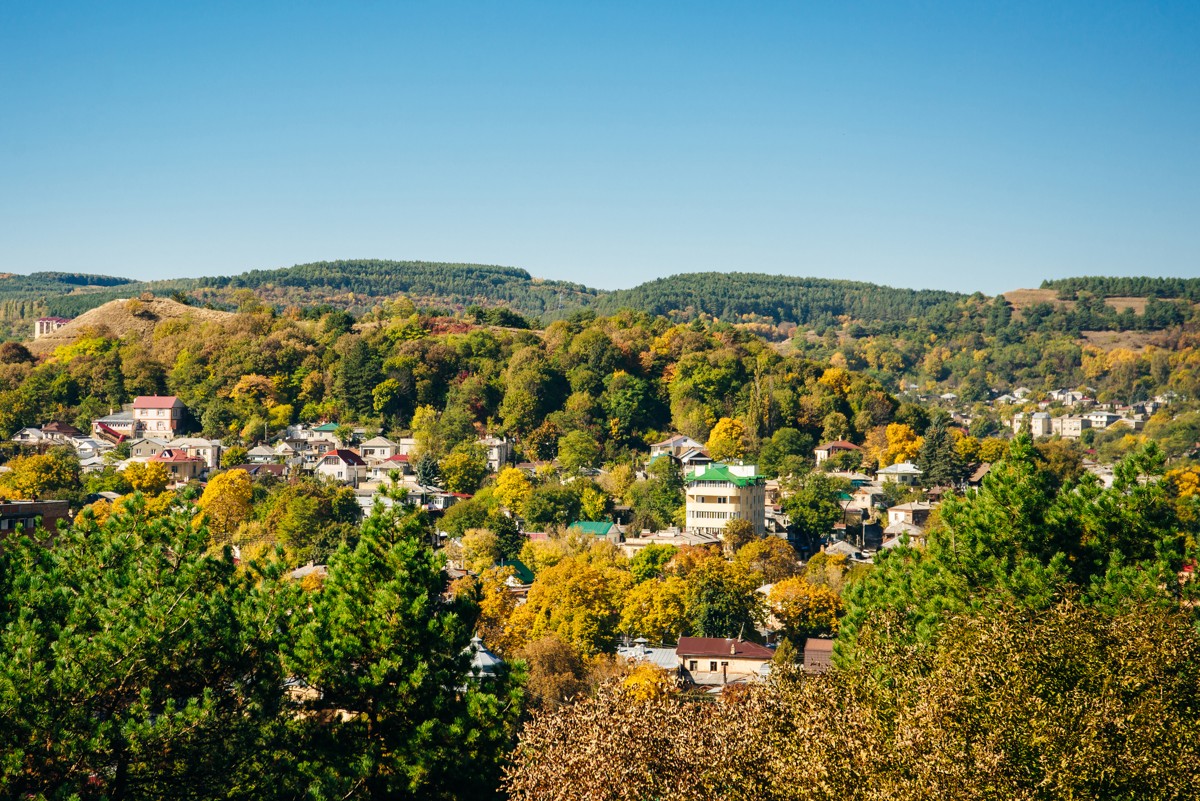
(355, 283)
(1126, 286)
(776, 299)
(126, 317)
(1066, 306)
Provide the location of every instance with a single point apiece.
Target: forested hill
(430, 283)
(1126, 286)
(1067, 306)
(776, 299)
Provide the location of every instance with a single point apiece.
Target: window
(691, 664)
(712, 667)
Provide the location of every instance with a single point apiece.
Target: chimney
(733, 647)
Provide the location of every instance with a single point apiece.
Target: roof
(721, 472)
(347, 456)
(839, 444)
(520, 572)
(262, 469)
(981, 471)
(484, 663)
(379, 442)
(896, 529)
(818, 654)
(900, 468)
(640, 652)
(399, 457)
(326, 427)
(600, 529)
(54, 319)
(61, 428)
(170, 455)
(155, 401)
(672, 441)
(261, 450)
(912, 506)
(842, 548)
(720, 646)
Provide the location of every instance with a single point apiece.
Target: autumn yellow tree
(657, 610)
(496, 606)
(576, 602)
(225, 503)
(727, 439)
(513, 489)
(805, 609)
(150, 478)
(480, 549)
(896, 443)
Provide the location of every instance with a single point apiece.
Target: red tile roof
(155, 401)
(718, 646)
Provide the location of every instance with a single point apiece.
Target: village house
(818, 654)
(209, 450)
(145, 447)
(30, 436)
(1070, 426)
(183, 468)
(915, 513)
(640, 652)
(905, 473)
(499, 452)
(262, 454)
(25, 515)
(632, 545)
(675, 446)
(157, 414)
(48, 325)
(342, 465)
(716, 661)
(718, 493)
(382, 469)
(115, 427)
(1038, 422)
(829, 449)
(379, 448)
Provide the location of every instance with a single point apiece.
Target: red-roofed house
(342, 465)
(823, 452)
(156, 415)
(383, 468)
(716, 661)
(183, 468)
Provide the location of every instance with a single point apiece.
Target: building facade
(718, 493)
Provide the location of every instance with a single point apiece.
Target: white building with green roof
(718, 493)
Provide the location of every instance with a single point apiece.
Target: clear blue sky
(960, 145)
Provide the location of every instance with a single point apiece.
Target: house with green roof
(719, 492)
(521, 573)
(603, 529)
(598, 529)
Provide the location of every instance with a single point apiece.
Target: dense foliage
(137, 663)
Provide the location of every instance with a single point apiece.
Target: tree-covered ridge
(454, 284)
(1126, 287)
(776, 298)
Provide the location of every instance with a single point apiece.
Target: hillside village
(883, 506)
(675, 512)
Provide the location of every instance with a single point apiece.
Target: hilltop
(125, 317)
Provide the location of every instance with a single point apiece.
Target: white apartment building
(718, 493)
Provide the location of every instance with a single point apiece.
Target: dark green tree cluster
(134, 663)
